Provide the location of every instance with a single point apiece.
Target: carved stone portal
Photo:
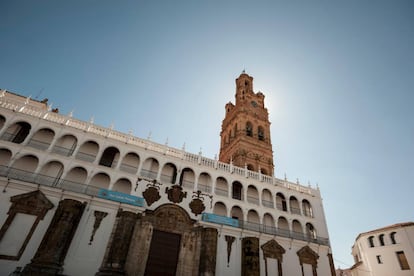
(51, 253)
(194, 241)
(250, 257)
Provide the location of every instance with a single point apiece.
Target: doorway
(163, 254)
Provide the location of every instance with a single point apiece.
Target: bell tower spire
(245, 130)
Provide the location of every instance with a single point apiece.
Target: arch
(27, 163)
(88, 151)
(17, 132)
(263, 171)
(109, 157)
(250, 167)
(267, 199)
(42, 139)
(268, 223)
(307, 208)
(50, 173)
(122, 185)
(297, 229)
(281, 202)
(187, 178)
(393, 237)
(253, 221)
(130, 163)
(381, 239)
(249, 129)
(253, 216)
(260, 133)
(5, 156)
(65, 145)
(221, 186)
(294, 205)
(252, 195)
(169, 173)
(75, 177)
(2, 121)
(283, 226)
(150, 168)
(236, 212)
(204, 182)
(99, 180)
(237, 190)
(371, 241)
(220, 209)
(310, 231)
(24, 168)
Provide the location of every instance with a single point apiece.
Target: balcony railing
(85, 157)
(148, 174)
(221, 192)
(295, 210)
(267, 203)
(267, 229)
(50, 181)
(62, 150)
(128, 168)
(37, 144)
(253, 200)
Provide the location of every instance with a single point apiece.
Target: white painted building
(385, 251)
(81, 199)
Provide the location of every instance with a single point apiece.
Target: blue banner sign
(121, 197)
(220, 219)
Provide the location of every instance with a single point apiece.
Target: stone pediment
(272, 249)
(32, 203)
(308, 256)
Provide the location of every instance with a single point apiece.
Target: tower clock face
(253, 103)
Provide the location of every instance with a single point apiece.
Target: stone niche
(195, 248)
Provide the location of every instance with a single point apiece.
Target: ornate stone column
(51, 253)
(208, 252)
(118, 245)
(250, 257)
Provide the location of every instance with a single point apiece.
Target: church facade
(81, 199)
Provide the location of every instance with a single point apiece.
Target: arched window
(249, 129)
(371, 241)
(17, 133)
(392, 237)
(381, 239)
(237, 190)
(109, 156)
(260, 133)
(310, 231)
(281, 202)
(307, 208)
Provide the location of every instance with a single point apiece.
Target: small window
(392, 236)
(249, 130)
(402, 260)
(371, 241)
(381, 239)
(379, 259)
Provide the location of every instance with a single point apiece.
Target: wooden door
(163, 254)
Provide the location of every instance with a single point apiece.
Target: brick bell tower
(245, 130)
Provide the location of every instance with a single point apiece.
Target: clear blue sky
(338, 78)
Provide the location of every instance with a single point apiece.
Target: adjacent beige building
(385, 251)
